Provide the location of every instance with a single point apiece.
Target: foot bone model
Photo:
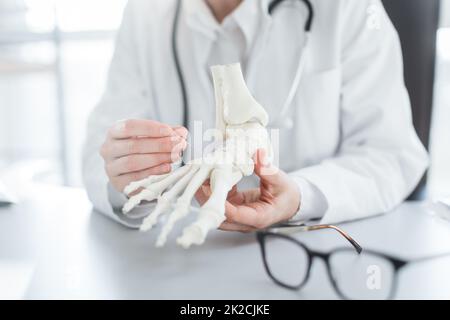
(241, 121)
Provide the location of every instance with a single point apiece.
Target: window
(48, 86)
(439, 183)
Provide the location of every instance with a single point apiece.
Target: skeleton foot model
(241, 122)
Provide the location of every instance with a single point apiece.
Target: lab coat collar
(200, 18)
(248, 16)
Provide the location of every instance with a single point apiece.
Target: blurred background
(54, 56)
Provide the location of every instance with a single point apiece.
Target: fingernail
(261, 154)
(175, 156)
(175, 140)
(263, 158)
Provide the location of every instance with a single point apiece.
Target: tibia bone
(154, 190)
(235, 103)
(166, 199)
(182, 206)
(212, 213)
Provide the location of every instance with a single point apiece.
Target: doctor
(351, 150)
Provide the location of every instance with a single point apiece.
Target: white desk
(67, 251)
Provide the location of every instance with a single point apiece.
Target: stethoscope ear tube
(282, 121)
(296, 83)
(177, 63)
(308, 24)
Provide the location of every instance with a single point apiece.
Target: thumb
(265, 170)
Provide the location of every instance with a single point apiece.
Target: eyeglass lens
(287, 261)
(364, 276)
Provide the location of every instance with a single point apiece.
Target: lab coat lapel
(201, 30)
(278, 47)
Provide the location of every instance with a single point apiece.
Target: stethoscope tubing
(295, 84)
(178, 68)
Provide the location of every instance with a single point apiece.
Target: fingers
(120, 182)
(234, 196)
(181, 131)
(227, 226)
(135, 149)
(266, 171)
(124, 147)
(256, 215)
(202, 194)
(233, 191)
(138, 162)
(140, 128)
(244, 197)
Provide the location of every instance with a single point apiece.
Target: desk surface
(56, 247)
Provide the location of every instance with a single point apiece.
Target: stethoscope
(282, 121)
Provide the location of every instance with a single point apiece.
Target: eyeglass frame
(274, 231)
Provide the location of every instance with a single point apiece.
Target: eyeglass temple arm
(342, 232)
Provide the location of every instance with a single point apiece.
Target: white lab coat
(353, 149)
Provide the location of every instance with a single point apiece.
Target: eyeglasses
(353, 273)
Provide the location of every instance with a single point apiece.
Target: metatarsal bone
(183, 204)
(212, 213)
(154, 190)
(166, 199)
(144, 183)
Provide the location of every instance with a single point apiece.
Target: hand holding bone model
(241, 121)
(135, 149)
(276, 199)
